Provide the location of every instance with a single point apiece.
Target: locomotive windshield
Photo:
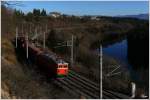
(62, 65)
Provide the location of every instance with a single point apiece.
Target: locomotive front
(49, 62)
(62, 69)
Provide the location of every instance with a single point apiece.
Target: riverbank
(116, 76)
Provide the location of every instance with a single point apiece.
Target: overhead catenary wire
(70, 44)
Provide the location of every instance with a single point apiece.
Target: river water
(117, 50)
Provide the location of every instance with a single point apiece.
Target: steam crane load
(48, 62)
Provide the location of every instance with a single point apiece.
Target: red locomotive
(47, 61)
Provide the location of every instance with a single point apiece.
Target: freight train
(49, 62)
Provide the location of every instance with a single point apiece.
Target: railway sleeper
(84, 85)
(105, 96)
(119, 95)
(71, 88)
(82, 89)
(65, 88)
(83, 78)
(85, 82)
(111, 96)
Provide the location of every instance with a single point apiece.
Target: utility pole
(44, 41)
(44, 36)
(36, 35)
(68, 44)
(46, 28)
(16, 35)
(101, 64)
(27, 44)
(72, 51)
(22, 27)
(30, 27)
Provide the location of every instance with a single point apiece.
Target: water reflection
(117, 50)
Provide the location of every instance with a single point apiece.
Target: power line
(112, 72)
(69, 44)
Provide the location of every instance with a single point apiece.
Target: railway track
(80, 85)
(113, 95)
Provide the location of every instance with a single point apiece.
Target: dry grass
(8, 52)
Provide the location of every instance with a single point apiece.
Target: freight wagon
(48, 62)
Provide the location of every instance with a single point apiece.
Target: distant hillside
(139, 16)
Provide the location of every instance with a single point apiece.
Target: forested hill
(100, 24)
(139, 16)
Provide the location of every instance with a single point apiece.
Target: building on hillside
(94, 18)
(55, 14)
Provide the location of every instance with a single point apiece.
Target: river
(121, 51)
(117, 50)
